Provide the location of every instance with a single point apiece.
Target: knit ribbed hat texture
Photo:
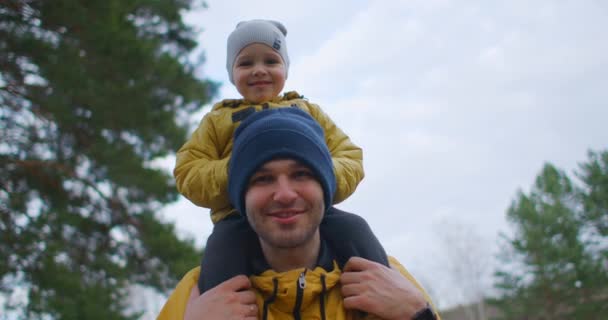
(269, 32)
(282, 133)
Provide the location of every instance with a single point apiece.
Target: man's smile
(288, 216)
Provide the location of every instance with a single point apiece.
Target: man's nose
(284, 192)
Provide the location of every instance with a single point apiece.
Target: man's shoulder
(395, 264)
(176, 303)
(192, 275)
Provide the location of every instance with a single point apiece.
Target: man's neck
(285, 259)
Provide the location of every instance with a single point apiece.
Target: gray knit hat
(269, 32)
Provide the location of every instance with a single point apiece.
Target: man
(281, 177)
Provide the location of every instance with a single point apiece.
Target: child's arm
(347, 157)
(201, 171)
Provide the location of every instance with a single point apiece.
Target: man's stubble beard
(283, 238)
(288, 239)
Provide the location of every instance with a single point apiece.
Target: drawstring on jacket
(270, 299)
(275, 289)
(322, 297)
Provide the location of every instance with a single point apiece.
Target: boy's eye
(244, 63)
(272, 61)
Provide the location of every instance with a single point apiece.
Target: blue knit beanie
(282, 133)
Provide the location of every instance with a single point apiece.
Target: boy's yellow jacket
(314, 298)
(201, 169)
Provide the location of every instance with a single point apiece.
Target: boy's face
(259, 73)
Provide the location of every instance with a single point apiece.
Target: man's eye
(303, 174)
(260, 180)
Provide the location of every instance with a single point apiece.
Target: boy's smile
(259, 73)
(260, 83)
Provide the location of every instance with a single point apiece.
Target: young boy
(257, 64)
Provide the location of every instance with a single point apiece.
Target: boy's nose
(258, 70)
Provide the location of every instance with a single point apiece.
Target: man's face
(284, 203)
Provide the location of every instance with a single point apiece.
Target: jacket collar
(234, 103)
(325, 259)
(318, 281)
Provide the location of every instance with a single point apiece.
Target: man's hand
(232, 299)
(374, 288)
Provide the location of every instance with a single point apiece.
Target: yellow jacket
(201, 169)
(286, 294)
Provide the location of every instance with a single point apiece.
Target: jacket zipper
(301, 285)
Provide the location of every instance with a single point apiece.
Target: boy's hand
(374, 288)
(232, 299)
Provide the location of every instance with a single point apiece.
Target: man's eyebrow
(293, 165)
(298, 165)
(261, 169)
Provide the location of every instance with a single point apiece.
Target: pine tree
(594, 194)
(593, 198)
(91, 93)
(548, 271)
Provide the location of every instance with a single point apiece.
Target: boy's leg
(349, 235)
(227, 252)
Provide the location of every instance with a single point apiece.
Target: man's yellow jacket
(201, 169)
(295, 294)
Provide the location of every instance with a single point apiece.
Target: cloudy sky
(456, 104)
